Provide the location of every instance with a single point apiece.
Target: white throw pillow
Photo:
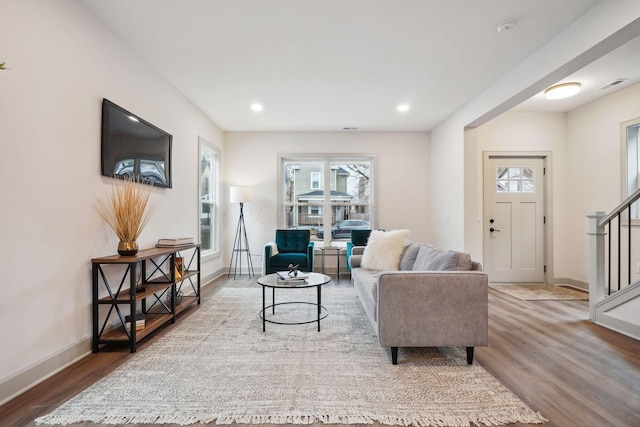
(384, 249)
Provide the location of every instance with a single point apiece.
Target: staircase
(614, 268)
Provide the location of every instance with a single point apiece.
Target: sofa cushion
(431, 258)
(384, 249)
(409, 256)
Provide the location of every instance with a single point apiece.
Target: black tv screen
(133, 147)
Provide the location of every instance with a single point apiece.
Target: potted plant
(127, 211)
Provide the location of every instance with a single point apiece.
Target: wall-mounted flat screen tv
(133, 147)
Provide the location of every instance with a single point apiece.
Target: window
(347, 205)
(315, 180)
(630, 136)
(209, 199)
(515, 179)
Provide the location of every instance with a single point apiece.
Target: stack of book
(139, 318)
(174, 241)
(179, 270)
(284, 276)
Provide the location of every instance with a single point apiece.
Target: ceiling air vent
(348, 128)
(614, 83)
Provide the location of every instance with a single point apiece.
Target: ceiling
(335, 64)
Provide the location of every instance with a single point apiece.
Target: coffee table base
(314, 280)
(324, 312)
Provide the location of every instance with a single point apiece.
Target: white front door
(514, 219)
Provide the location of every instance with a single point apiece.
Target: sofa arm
(429, 309)
(357, 250)
(355, 261)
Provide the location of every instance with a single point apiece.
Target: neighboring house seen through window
(307, 204)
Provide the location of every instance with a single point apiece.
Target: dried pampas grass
(127, 211)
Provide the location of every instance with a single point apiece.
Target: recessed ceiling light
(403, 108)
(256, 107)
(564, 90)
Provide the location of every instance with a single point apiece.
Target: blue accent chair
(358, 238)
(292, 247)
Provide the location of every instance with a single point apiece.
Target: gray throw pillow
(431, 258)
(409, 256)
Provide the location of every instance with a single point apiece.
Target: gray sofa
(436, 299)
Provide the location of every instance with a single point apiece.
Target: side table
(331, 250)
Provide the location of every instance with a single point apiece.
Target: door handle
(493, 229)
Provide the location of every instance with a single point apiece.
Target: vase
(127, 248)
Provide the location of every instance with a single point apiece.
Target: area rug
(542, 292)
(219, 367)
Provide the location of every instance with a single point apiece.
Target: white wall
(402, 177)
(447, 180)
(62, 63)
(594, 164)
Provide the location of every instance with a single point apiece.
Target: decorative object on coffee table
(240, 243)
(127, 211)
(293, 270)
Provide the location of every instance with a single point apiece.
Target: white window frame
(630, 149)
(316, 180)
(327, 160)
(214, 200)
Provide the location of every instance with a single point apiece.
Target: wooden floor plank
(546, 352)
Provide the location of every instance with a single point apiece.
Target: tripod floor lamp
(240, 242)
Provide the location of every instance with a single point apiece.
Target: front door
(514, 219)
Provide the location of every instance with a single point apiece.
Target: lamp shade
(240, 194)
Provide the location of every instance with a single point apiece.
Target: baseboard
(580, 284)
(27, 378)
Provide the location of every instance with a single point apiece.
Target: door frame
(546, 156)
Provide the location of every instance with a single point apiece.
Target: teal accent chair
(358, 238)
(291, 247)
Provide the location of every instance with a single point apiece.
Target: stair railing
(608, 256)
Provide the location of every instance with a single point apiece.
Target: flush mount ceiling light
(403, 108)
(256, 107)
(563, 90)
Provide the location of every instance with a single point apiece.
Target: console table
(160, 294)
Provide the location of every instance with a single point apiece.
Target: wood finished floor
(547, 352)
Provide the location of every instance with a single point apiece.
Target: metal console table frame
(159, 280)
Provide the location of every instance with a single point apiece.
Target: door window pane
(515, 179)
